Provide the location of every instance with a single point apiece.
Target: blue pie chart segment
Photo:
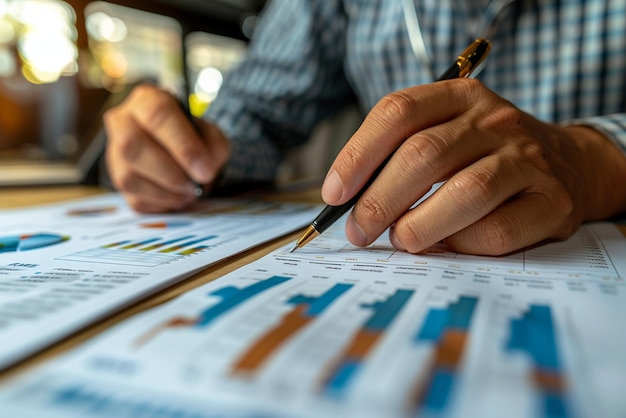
(14, 243)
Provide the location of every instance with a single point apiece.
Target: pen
(469, 62)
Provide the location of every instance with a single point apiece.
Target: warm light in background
(44, 33)
(102, 27)
(208, 83)
(38, 38)
(127, 45)
(209, 57)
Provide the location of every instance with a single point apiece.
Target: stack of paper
(336, 331)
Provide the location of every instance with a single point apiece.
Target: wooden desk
(19, 197)
(15, 198)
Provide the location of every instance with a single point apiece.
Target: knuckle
(354, 158)
(123, 180)
(470, 87)
(564, 203)
(502, 117)
(158, 109)
(396, 106)
(374, 210)
(423, 151)
(561, 202)
(128, 147)
(187, 151)
(466, 90)
(142, 93)
(408, 234)
(533, 150)
(499, 235)
(472, 191)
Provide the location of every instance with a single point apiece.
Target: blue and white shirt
(561, 61)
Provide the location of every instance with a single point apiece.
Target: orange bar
(549, 381)
(450, 349)
(160, 225)
(361, 344)
(260, 351)
(447, 355)
(172, 323)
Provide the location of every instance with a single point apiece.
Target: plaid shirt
(561, 61)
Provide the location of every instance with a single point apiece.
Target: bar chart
(148, 252)
(352, 333)
(534, 334)
(305, 310)
(231, 298)
(347, 365)
(446, 330)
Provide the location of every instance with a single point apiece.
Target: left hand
(512, 180)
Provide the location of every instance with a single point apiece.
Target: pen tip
(294, 248)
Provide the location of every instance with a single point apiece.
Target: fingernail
(355, 233)
(332, 189)
(200, 170)
(394, 240)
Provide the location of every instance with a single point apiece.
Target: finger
(145, 195)
(163, 117)
(530, 218)
(395, 118)
(464, 199)
(132, 153)
(426, 158)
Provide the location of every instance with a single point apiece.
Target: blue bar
(456, 316)
(461, 312)
(534, 334)
(386, 311)
(342, 376)
(318, 304)
(139, 244)
(554, 405)
(434, 325)
(188, 243)
(148, 241)
(172, 241)
(439, 390)
(233, 297)
(116, 244)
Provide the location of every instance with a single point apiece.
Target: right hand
(154, 154)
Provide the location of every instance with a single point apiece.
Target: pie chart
(14, 243)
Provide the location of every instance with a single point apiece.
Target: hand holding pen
(469, 62)
(157, 155)
(510, 179)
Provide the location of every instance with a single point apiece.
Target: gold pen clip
(472, 60)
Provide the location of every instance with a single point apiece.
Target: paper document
(336, 331)
(63, 266)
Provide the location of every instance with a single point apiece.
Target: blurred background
(62, 62)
